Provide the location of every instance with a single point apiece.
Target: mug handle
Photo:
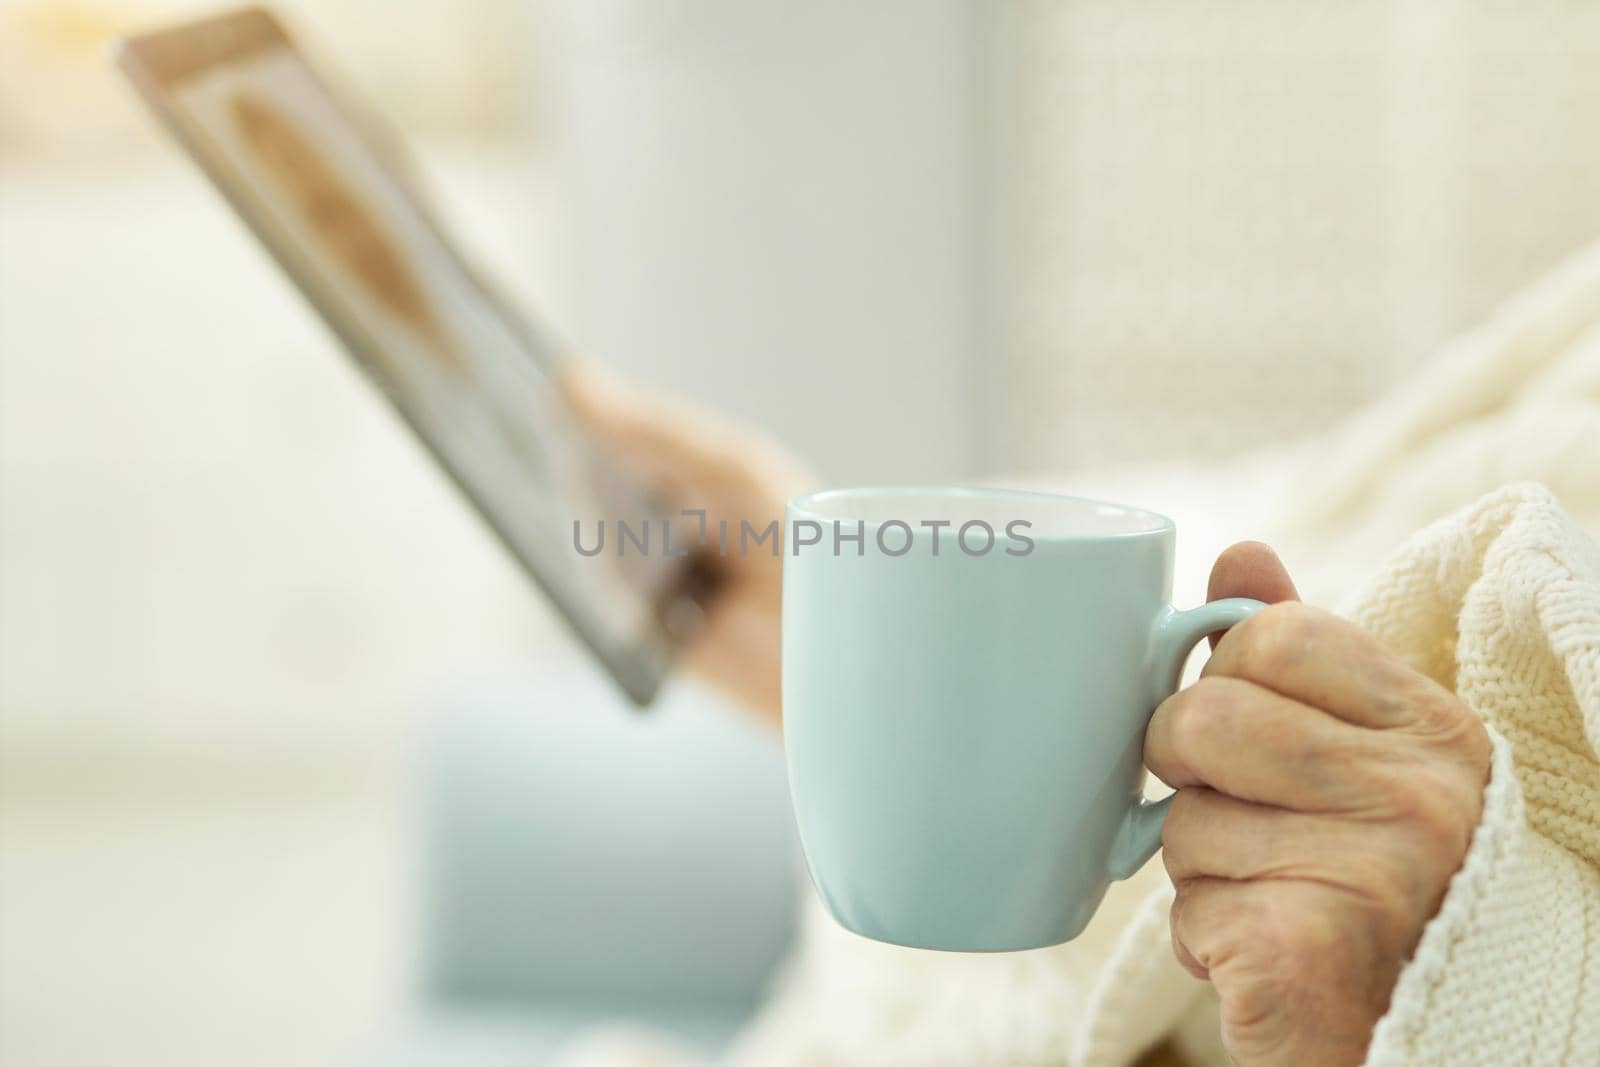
(1173, 637)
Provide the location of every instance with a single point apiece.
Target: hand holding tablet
(478, 384)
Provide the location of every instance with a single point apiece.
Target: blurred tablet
(332, 201)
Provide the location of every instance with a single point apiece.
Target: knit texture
(1503, 604)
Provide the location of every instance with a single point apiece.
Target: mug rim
(806, 505)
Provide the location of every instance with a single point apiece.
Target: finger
(1317, 658)
(1208, 834)
(691, 449)
(1186, 958)
(655, 432)
(738, 650)
(1282, 966)
(1209, 917)
(1244, 740)
(1249, 569)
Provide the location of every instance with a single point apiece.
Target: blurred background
(915, 239)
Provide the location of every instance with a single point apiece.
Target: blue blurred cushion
(585, 854)
(528, 1036)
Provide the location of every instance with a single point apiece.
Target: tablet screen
(471, 378)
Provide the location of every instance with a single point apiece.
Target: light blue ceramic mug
(967, 678)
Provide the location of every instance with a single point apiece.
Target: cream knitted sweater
(1502, 602)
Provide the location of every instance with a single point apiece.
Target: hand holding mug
(1326, 793)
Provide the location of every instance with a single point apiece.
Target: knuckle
(1215, 927)
(1412, 791)
(1461, 804)
(1437, 804)
(1202, 710)
(1396, 788)
(1453, 727)
(1276, 639)
(1427, 705)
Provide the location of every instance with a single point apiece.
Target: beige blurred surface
(215, 540)
(200, 929)
(56, 88)
(226, 575)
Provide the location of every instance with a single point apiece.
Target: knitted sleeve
(1509, 970)
(1502, 603)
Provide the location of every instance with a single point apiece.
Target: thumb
(1250, 569)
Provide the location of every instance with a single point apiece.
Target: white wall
(773, 207)
(918, 240)
(1221, 224)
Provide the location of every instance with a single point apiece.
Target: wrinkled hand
(699, 459)
(1326, 794)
